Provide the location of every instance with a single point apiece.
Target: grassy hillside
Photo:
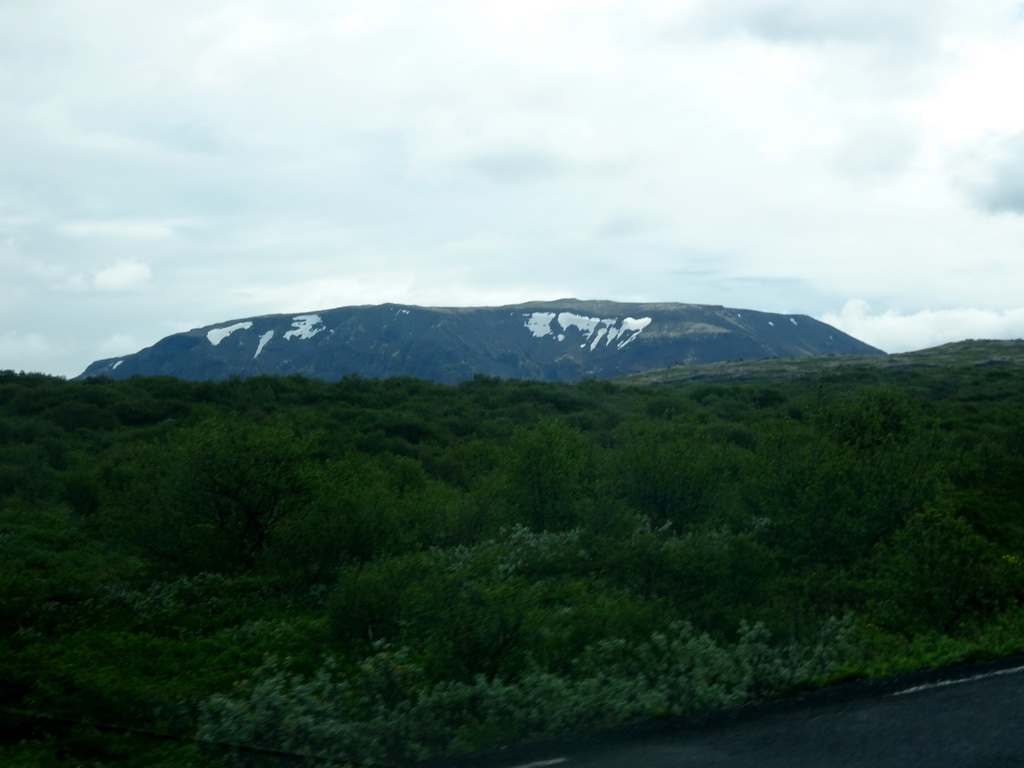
(242, 572)
(956, 357)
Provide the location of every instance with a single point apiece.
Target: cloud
(515, 167)
(991, 174)
(122, 276)
(237, 37)
(537, 15)
(878, 151)
(32, 351)
(379, 287)
(124, 344)
(626, 225)
(143, 230)
(858, 51)
(278, 156)
(818, 21)
(894, 331)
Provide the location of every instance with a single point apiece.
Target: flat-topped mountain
(563, 340)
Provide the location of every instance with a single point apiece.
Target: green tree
(673, 472)
(830, 490)
(548, 471)
(936, 573)
(210, 496)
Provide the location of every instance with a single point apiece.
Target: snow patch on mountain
(217, 335)
(539, 323)
(305, 327)
(632, 325)
(263, 342)
(586, 325)
(594, 329)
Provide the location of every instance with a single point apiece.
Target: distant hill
(563, 340)
(970, 353)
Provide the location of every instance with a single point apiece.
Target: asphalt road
(965, 717)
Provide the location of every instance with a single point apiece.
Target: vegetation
(368, 572)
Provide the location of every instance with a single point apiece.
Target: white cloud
(894, 331)
(275, 156)
(141, 230)
(975, 98)
(991, 173)
(122, 276)
(878, 151)
(821, 21)
(120, 344)
(28, 351)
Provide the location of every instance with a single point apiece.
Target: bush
(384, 714)
(935, 574)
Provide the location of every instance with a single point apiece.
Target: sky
(167, 166)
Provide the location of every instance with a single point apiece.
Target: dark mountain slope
(561, 340)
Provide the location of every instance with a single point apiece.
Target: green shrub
(383, 714)
(935, 574)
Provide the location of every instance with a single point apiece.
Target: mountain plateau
(564, 340)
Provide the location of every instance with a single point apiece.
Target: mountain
(561, 340)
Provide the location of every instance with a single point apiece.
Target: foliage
(383, 714)
(415, 569)
(935, 573)
(210, 496)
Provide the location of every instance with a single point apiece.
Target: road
(965, 717)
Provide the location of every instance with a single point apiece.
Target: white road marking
(542, 763)
(944, 683)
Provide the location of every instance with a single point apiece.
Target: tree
(673, 472)
(547, 474)
(936, 573)
(208, 497)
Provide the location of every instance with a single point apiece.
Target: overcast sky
(165, 166)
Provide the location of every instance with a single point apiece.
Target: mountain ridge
(967, 353)
(561, 340)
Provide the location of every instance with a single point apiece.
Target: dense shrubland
(372, 572)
